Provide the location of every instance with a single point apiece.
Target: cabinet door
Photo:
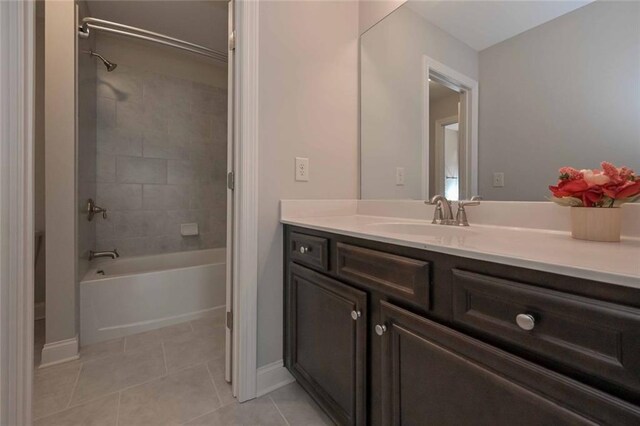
(433, 375)
(326, 338)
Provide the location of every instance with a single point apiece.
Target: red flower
(626, 190)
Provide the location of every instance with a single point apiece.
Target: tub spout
(108, 253)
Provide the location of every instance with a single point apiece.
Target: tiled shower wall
(161, 162)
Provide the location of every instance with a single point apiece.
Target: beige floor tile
(170, 400)
(298, 407)
(152, 337)
(191, 349)
(116, 372)
(216, 367)
(52, 387)
(208, 326)
(102, 349)
(257, 412)
(101, 412)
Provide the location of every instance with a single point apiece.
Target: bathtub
(134, 294)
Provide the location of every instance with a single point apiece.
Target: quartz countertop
(544, 250)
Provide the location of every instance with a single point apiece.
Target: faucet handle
(461, 214)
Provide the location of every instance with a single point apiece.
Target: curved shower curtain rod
(139, 33)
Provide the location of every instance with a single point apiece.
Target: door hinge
(232, 40)
(230, 320)
(230, 180)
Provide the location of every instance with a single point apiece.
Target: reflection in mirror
(493, 97)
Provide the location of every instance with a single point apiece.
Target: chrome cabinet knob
(381, 329)
(355, 315)
(304, 249)
(525, 321)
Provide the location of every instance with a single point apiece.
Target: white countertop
(544, 250)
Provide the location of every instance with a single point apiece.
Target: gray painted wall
(161, 156)
(308, 104)
(564, 93)
(60, 170)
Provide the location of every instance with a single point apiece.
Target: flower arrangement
(609, 187)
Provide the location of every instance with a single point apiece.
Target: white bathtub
(130, 295)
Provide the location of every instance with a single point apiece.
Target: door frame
(17, 50)
(468, 108)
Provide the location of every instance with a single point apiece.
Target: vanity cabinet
(328, 337)
(388, 335)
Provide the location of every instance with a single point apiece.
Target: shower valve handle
(93, 209)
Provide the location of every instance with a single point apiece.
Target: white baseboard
(39, 311)
(271, 377)
(58, 352)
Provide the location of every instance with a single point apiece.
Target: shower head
(108, 64)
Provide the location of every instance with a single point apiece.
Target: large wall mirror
(491, 98)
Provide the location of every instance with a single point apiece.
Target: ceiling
(481, 24)
(200, 22)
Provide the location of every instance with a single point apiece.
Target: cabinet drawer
(309, 250)
(434, 375)
(595, 339)
(397, 276)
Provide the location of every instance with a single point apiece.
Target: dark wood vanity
(389, 335)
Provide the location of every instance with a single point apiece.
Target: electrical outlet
(498, 180)
(400, 176)
(302, 169)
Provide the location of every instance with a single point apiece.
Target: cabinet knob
(525, 321)
(303, 249)
(355, 315)
(381, 329)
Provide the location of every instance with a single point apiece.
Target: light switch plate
(302, 169)
(400, 176)
(498, 180)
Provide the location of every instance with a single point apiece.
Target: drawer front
(433, 375)
(596, 339)
(397, 276)
(309, 250)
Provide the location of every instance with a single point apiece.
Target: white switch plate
(302, 169)
(400, 176)
(498, 180)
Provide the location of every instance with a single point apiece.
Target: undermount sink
(421, 229)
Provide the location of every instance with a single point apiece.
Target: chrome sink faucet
(107, 253)
(443, 215)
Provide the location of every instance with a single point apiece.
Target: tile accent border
(271, 377)
(59, 352)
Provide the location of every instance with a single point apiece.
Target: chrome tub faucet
(113, 254)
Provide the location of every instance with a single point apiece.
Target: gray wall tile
(166, 197)
(119, 196)
(161, 162)
(141, 170)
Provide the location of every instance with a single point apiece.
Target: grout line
(213, 382)
(118, 409)
(164, 358)
(279, 412)
(75, 385)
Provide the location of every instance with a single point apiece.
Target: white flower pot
(596, 223)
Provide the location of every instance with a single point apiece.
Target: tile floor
(170, 376)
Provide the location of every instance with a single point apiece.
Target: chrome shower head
(108, 64)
